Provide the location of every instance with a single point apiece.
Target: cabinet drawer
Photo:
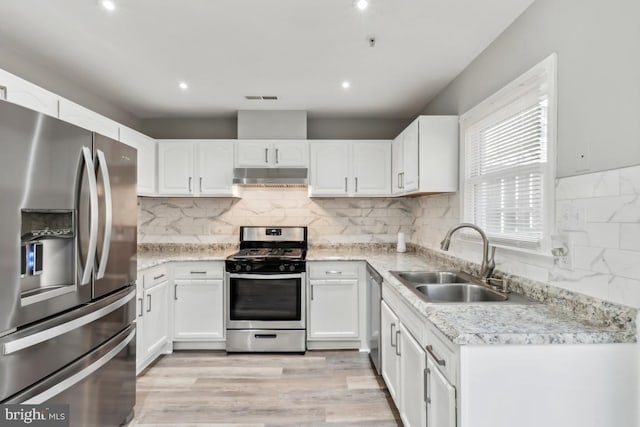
(442, 354)
(199, 270)
(154, 276)
(333, 270)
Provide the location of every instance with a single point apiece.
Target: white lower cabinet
(153, 316)
(412, 408)
(441, 397)
(336, 305)
(333, 309)
(198, 305)
(390, 359)
(403, 364)
(198, 314)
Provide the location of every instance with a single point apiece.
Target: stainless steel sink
(450, 287)
(460, 292)
(429, 277)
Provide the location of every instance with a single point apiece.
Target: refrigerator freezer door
(99, 388)
(118, 215)
(38, 351)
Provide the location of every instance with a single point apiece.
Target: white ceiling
(299, 50)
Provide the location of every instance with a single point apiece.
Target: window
(508, 163)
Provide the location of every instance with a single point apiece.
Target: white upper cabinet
(90, 120)
(195, 168)
(146, 159)
(270, 154)
(329, 168)
(18, 91)
(425, 156)
(350, 168)
(215, 168)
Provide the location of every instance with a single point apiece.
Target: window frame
(507, 96)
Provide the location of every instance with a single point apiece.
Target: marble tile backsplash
(330, 220)
(597, 215)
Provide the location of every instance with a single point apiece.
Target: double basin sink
(448, 287)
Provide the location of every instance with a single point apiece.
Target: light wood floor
(321, 388)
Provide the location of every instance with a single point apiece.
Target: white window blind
(508, 176)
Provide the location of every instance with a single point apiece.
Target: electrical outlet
(564, 261)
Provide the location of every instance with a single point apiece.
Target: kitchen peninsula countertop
(467, 323)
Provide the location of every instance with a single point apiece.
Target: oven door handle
(266, 276)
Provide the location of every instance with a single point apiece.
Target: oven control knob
(292, 267)
(238, 267)
(247, 268)
(281, 267)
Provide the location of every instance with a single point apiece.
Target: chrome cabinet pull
(158, 277)
(141, 307)
(427, 372)
(398, 343)
(3, 92)
(356, 184)
(333, 272)
(175, 291)
(149, 304)
(198, 272)
(190, 179)
(201, 184)
(393, 326)
(276, 156)
(266, 155)
(439, 361)
(345, 184)
(311, 291)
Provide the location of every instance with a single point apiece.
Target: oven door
(266, 301)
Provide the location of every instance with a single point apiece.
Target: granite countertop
(464, 324)
(485, 323)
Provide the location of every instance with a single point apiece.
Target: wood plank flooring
(321, 388)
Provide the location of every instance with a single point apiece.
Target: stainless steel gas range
(265, 288)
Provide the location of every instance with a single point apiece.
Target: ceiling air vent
(261, 97)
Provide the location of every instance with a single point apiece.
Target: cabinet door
(291, 154)
(441, 398)
(146, 159)
(26, 94)
(90, 120)
(156, 322)
(198, 310)
(410, 155)
(412, 408)
(333, 309)
(389, 325)
(175, 168)
(372, 168)
(397, 162)
(329, 171)
(215, 168)
(254, 154)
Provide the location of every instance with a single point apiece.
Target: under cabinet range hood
(271, 177)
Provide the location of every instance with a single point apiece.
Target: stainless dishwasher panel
(99, 388)
(38, 351)
(374, 281)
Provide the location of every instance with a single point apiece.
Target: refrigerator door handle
(93, 220)
(80, 375)
(50, 333)
(108, 214)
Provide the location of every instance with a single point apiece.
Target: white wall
(598, 47)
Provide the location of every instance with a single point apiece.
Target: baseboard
(199, 345)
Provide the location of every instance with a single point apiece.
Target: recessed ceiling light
(362, 4)
(346, 85)
(183, 85)
(111, 6)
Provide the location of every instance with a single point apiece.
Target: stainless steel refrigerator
(68, 221)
